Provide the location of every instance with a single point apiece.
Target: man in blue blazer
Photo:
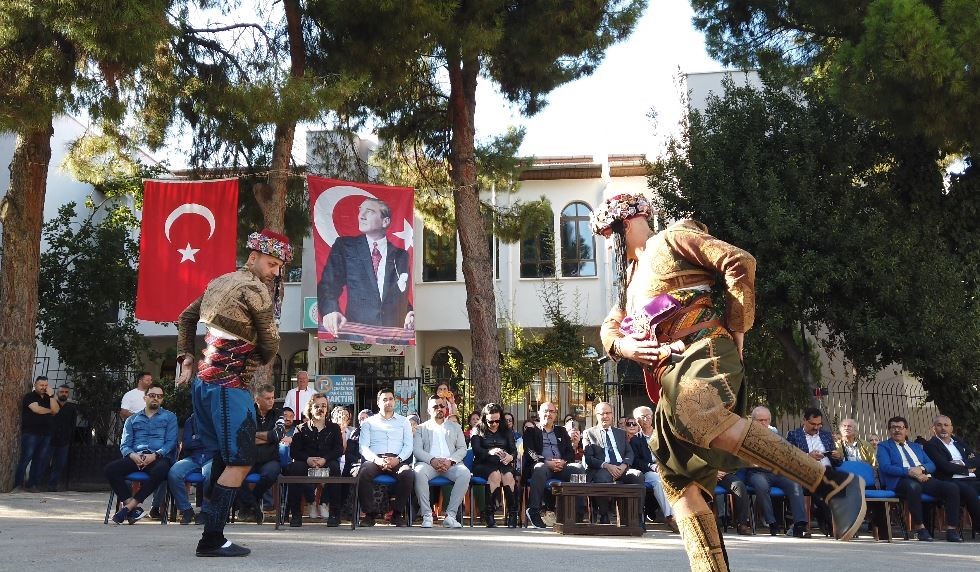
(905, 468)
(956, 463)
(375, 273)
(814, 440)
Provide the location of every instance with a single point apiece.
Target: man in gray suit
(439, 451)
(608, 456)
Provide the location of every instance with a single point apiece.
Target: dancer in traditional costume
(239, 310)
(692, 359)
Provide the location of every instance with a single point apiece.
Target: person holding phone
(35, 432)
(494, 453)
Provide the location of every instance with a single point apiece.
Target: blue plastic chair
(474, 481)
(136, 477)
(873, 495)
(388, 481)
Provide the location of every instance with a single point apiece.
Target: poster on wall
(339, 389)
(364, 243)
(406, 396)
(353, 349)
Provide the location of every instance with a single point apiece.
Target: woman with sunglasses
(494, 453)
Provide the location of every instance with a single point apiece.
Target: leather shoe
(922, 535)
(774, 529)
(368, 520)
(333, 521)
(800, 531)
(744, 529)
(672, 524)
(398, 519)
(844, 494)
(229, 550)
(296, 518)
(187, 516)
(953, 536)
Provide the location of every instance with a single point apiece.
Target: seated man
(812, 439)
(906, 469)
(317, 444)
(149, 443)
(644, 462)
(608, 456)
(439, 451)
(957, 464)
(548, 454)
(270, 428)
(194, 456)
(386, 445)
(853, 448)
(761, 480)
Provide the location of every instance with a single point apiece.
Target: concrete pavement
(64, 531)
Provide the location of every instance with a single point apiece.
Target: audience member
(472, 422)
(37, 416)
(316, 445)
(445, 391)
(548, 454)
(761, 480)
(362, 415)
(413, 422)
(386, 444)
(576, 436)
(289, 423)
(62, 432)
(735, 486)
(194, 456)
(817, 442)
(905, 468)
(608, 457)
(632, 428)
(852, 447)
(149, 444)
(269, 430)
(494, 455)
(644, 462)
(510, 425)
(439, 448)
(132, 400)
(956, 463)
(298, 397)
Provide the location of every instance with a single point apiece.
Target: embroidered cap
(271, 243)
(619, 207)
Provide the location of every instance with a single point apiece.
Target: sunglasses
(493, 421)
(631, 423)
(439, 406)
(155, 395)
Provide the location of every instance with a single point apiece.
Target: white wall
(700, 85)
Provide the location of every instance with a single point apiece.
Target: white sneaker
(323, 510)
(313, 511)
(451, 522)
(426, 521)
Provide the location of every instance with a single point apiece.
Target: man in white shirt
(386, 444)
(133, 400)
(297, 397)
(956, 463)
(439, 451)
(608, 456)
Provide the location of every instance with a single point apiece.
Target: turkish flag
(187, 238)
(364, 267)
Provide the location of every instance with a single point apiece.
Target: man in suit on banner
(375, 272)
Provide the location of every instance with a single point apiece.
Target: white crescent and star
(187, 253)
(323, 214)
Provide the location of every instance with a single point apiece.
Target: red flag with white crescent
(364, 245)
(187, 238)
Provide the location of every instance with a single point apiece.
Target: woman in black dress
(494, 454)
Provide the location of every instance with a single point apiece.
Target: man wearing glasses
(149, 441)
(548, 454)
(439, 451)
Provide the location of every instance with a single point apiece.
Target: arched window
(538, 255)
(438, 257)
(445, 361)
(577, 242)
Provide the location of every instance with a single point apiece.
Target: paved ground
(64, 531)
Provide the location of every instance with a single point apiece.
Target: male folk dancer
(239, 312)
(664, 320)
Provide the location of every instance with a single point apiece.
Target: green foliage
(914, 62)
(851, 226)
(177, 399)
(560, 348)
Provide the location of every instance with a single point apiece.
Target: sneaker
(314, 511)
(323, 510)
(923, 535)
(229, 549)
(135, 515)
(121, 516)
(953, 536)
(155, 513)
(534, 517)
(427, 521)
(450, 521)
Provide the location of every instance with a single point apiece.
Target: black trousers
(740, 494)
(295, 492)
(911, 491)
(970, 497)
(539, 478)
(404, 485)
(602, 476)
(116, 471)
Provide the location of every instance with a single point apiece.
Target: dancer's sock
(215, 517)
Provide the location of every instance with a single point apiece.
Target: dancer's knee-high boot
(843, 492)
(702, 542)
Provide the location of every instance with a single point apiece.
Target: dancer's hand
(644, 352)
(185, 371)
(739, 338)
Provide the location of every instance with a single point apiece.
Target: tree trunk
(22, 215)
(272, 197)
(801, 360)
(481, 305)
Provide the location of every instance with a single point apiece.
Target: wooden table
(279, 490)
(629, 518)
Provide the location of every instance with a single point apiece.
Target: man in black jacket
(548, 454)
(956, 463)
(608, 456)
(269, 430)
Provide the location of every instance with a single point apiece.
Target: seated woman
(316, 444)
(494, 454)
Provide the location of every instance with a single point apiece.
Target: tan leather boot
(702, 542)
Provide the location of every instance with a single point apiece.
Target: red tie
(376, 259)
